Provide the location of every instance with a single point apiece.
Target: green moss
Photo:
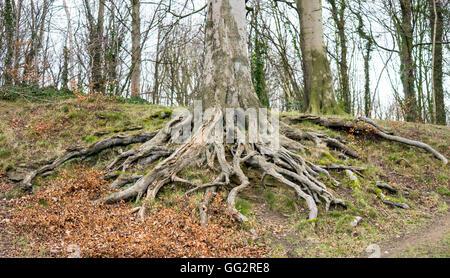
(89, 138)
(443, 178)
(5, 153)
(78, 114)
(343, 224)
(110, 115)
(355, 185)
(444, 191)
(329, 157)
(243, 206)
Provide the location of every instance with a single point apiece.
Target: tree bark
(228, 80)
(97, 49)
(69, 50)
(319, 92)
(407, 65)
(338, 13)
(9, 32)
(136, 48)
(437, 25)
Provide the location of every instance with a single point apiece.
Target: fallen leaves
(63, 214)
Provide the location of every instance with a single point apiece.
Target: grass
(423, 177)
(440, 249)
(444, 191)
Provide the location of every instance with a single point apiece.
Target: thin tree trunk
(338, 14)
(97, 49)
(436, 22)
(407, 66)
(136, 48)
(9, 31)
(70, 48)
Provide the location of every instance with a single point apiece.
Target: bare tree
(319, 91)
(135, 48)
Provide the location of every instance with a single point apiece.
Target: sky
(383, 79)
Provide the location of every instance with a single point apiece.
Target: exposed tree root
(113, 141)
(287, 167)
(286, 164)
(363, 125)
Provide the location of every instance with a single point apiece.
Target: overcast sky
(383, 79)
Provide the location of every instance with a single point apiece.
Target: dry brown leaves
(63, 213)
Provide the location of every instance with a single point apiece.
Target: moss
(90, 138)
(140, 173)
(329, 156)
(443, 191)
(354, 184)
(343, 224)
(5, 153)
(80, 114)
(43, 203)
(323, 162)
(243, 206)
(443, 177)
(372, 213)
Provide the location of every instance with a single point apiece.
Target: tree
(405, 32)
(9, 32)
(258, 57)
(436, 22)
(30, 72)
(135, 48)
(319, 91)
(368, 47)
(68, 52)
(338, 9)
(227, 83)
(96, 45)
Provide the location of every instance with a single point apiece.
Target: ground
(59, 212)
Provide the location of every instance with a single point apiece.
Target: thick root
(110, 142)
(363, 125)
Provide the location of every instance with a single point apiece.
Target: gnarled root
(364, 125)
(110, 142)
(288, 168)
(285, 163)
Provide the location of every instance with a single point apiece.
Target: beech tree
(227, 83)
(319, 91)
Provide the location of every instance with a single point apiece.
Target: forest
(224, 128)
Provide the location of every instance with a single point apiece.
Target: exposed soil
(432, 234)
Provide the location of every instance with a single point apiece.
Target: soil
(429, 236)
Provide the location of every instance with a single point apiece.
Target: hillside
(60, 213)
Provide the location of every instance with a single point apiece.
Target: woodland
(224, 128)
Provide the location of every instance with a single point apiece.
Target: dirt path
(428, 238)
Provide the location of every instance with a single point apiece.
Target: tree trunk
(228, 80)
(97, 50)
(436, 22)
(319, 92)
(155, 91)
(136, 48)
(30, 72)
(338, 14)
(407, 66)
(69, 50)
(258, 57)
(9, 32)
